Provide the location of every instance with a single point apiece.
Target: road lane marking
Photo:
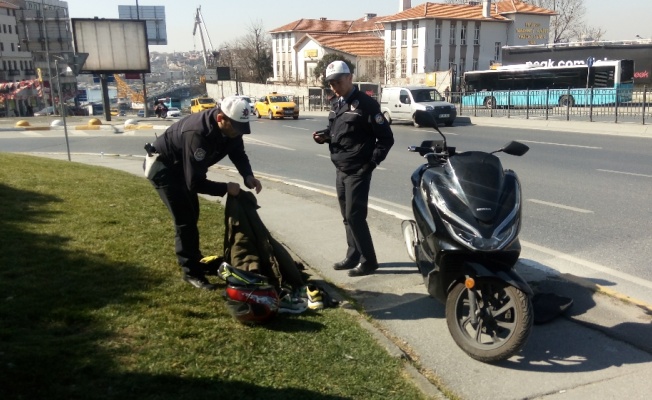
(546, 203)
(562, 144)
(263, 143)
(625, 173)
(295, 127)
(430, 131)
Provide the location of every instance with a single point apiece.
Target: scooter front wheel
(490, 322)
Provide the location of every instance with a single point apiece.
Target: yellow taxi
(114, 112)
(276, 105)
(200, 104)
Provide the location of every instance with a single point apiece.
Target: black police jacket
(194, 143)
(358, 132)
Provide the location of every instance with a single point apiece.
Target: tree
(568, 25)
(249, 55)
(320, 69)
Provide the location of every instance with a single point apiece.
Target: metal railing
(627, 105)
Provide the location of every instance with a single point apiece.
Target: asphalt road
(586, 197)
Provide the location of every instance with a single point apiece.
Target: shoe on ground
(347, 263)
(200, 282)
(363, 269)
(315, 299)
(289, 304)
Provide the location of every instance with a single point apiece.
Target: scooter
(464, 240)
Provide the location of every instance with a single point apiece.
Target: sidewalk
(599, 350)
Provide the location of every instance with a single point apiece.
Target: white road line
(546, 203)
(427, 131)
(625, 173)
(295, 127)
(32, 134)
(562, 144)
(588, 264)
(263, 143)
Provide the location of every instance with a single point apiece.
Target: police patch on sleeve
(200, 154)
(379, 119)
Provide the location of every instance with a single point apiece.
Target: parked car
(173, 112)
(141, 113)
(276, 105)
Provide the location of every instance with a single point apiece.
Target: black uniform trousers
(184, 208)
(353, 196)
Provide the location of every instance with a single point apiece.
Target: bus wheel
(565, 101)
(490, 102)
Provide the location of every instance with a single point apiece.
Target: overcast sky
(228, 19)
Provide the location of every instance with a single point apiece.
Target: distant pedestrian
(447, 93)
(359, 139)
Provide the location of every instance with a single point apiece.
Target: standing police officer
(185, 152)
(359, 139)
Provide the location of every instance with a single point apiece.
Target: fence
(522, 104)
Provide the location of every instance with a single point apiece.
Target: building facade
(414, 42)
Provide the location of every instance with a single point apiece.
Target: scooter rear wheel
(504, 318)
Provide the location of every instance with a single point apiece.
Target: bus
(533, 85)
(171, 102)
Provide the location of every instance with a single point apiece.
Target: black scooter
(464, 239)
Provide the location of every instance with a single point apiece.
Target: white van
(400, 103)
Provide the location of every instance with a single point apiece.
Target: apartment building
(405, 47)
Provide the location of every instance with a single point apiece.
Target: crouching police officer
(185, 152)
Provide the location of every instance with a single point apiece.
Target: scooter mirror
(515, 148)
(424, 118)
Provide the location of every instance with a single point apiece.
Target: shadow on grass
(52, 343)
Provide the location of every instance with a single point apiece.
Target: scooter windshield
(477, 197)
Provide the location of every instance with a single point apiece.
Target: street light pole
(145, 114)
(62, 108)
(47, 55)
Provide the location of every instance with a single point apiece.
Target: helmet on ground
(252, 305)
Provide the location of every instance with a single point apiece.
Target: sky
(227, 20)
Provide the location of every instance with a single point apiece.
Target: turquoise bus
(533, 85)
(171, 102)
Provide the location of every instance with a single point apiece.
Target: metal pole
(145, 113)
(644, 101)
(61, 107)
(47, 56)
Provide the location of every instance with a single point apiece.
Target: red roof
(363, 45)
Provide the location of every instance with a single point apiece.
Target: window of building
(392, 68)
(438, 33)
(371, 68)
(290, 69)
(463, 35)
(462, 65)
(415, 33)
(4, 28)
(4, 65)
(497, 47)
(403, 68)
(415, 65)
(453, 29)
(278, 68)
(21, 64)
(10, 29)
(437, 63)
(475, 64)
(2, 46)
(393, 36)
(284, 73)
(13, 48)
(404, 34)
(476, 35)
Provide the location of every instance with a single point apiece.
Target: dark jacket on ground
(359, 133)
(193, 144)
(249, 246)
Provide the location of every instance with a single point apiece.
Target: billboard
(113, 45)
(154, 17)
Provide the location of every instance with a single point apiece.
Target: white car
(173, 112)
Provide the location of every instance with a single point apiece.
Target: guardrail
(636, 109)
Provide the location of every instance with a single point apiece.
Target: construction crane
(125, 91)
(199, 24)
